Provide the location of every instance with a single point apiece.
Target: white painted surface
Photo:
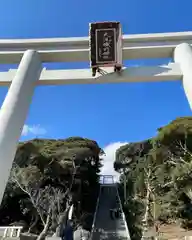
(158, 45)
(14, 110)
(183, 56)
(84, 76)
(10, 231)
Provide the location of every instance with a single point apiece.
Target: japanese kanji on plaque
(105, 39)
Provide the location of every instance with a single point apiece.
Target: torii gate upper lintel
(23, 80)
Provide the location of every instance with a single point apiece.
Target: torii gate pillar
(183, 56)
(14, 111)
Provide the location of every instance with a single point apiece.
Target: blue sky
(107, 113)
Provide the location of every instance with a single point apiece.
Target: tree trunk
(34, 223)
(155, 223)
(62, 220)
(43, 234)
(146, 215)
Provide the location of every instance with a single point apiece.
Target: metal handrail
(123, 214)
(95, 214)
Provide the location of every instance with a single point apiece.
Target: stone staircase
(105, 227)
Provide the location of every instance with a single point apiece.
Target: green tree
(62, 172)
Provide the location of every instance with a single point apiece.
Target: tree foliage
(47, 177)
(158, 176)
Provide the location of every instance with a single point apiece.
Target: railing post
(12, 231)
(5, 232)
(183, 56)
(14, 111)
(18, 232)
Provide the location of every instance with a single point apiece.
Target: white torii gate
(30, 74)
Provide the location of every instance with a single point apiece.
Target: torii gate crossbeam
(23, 81)
(76, 49)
